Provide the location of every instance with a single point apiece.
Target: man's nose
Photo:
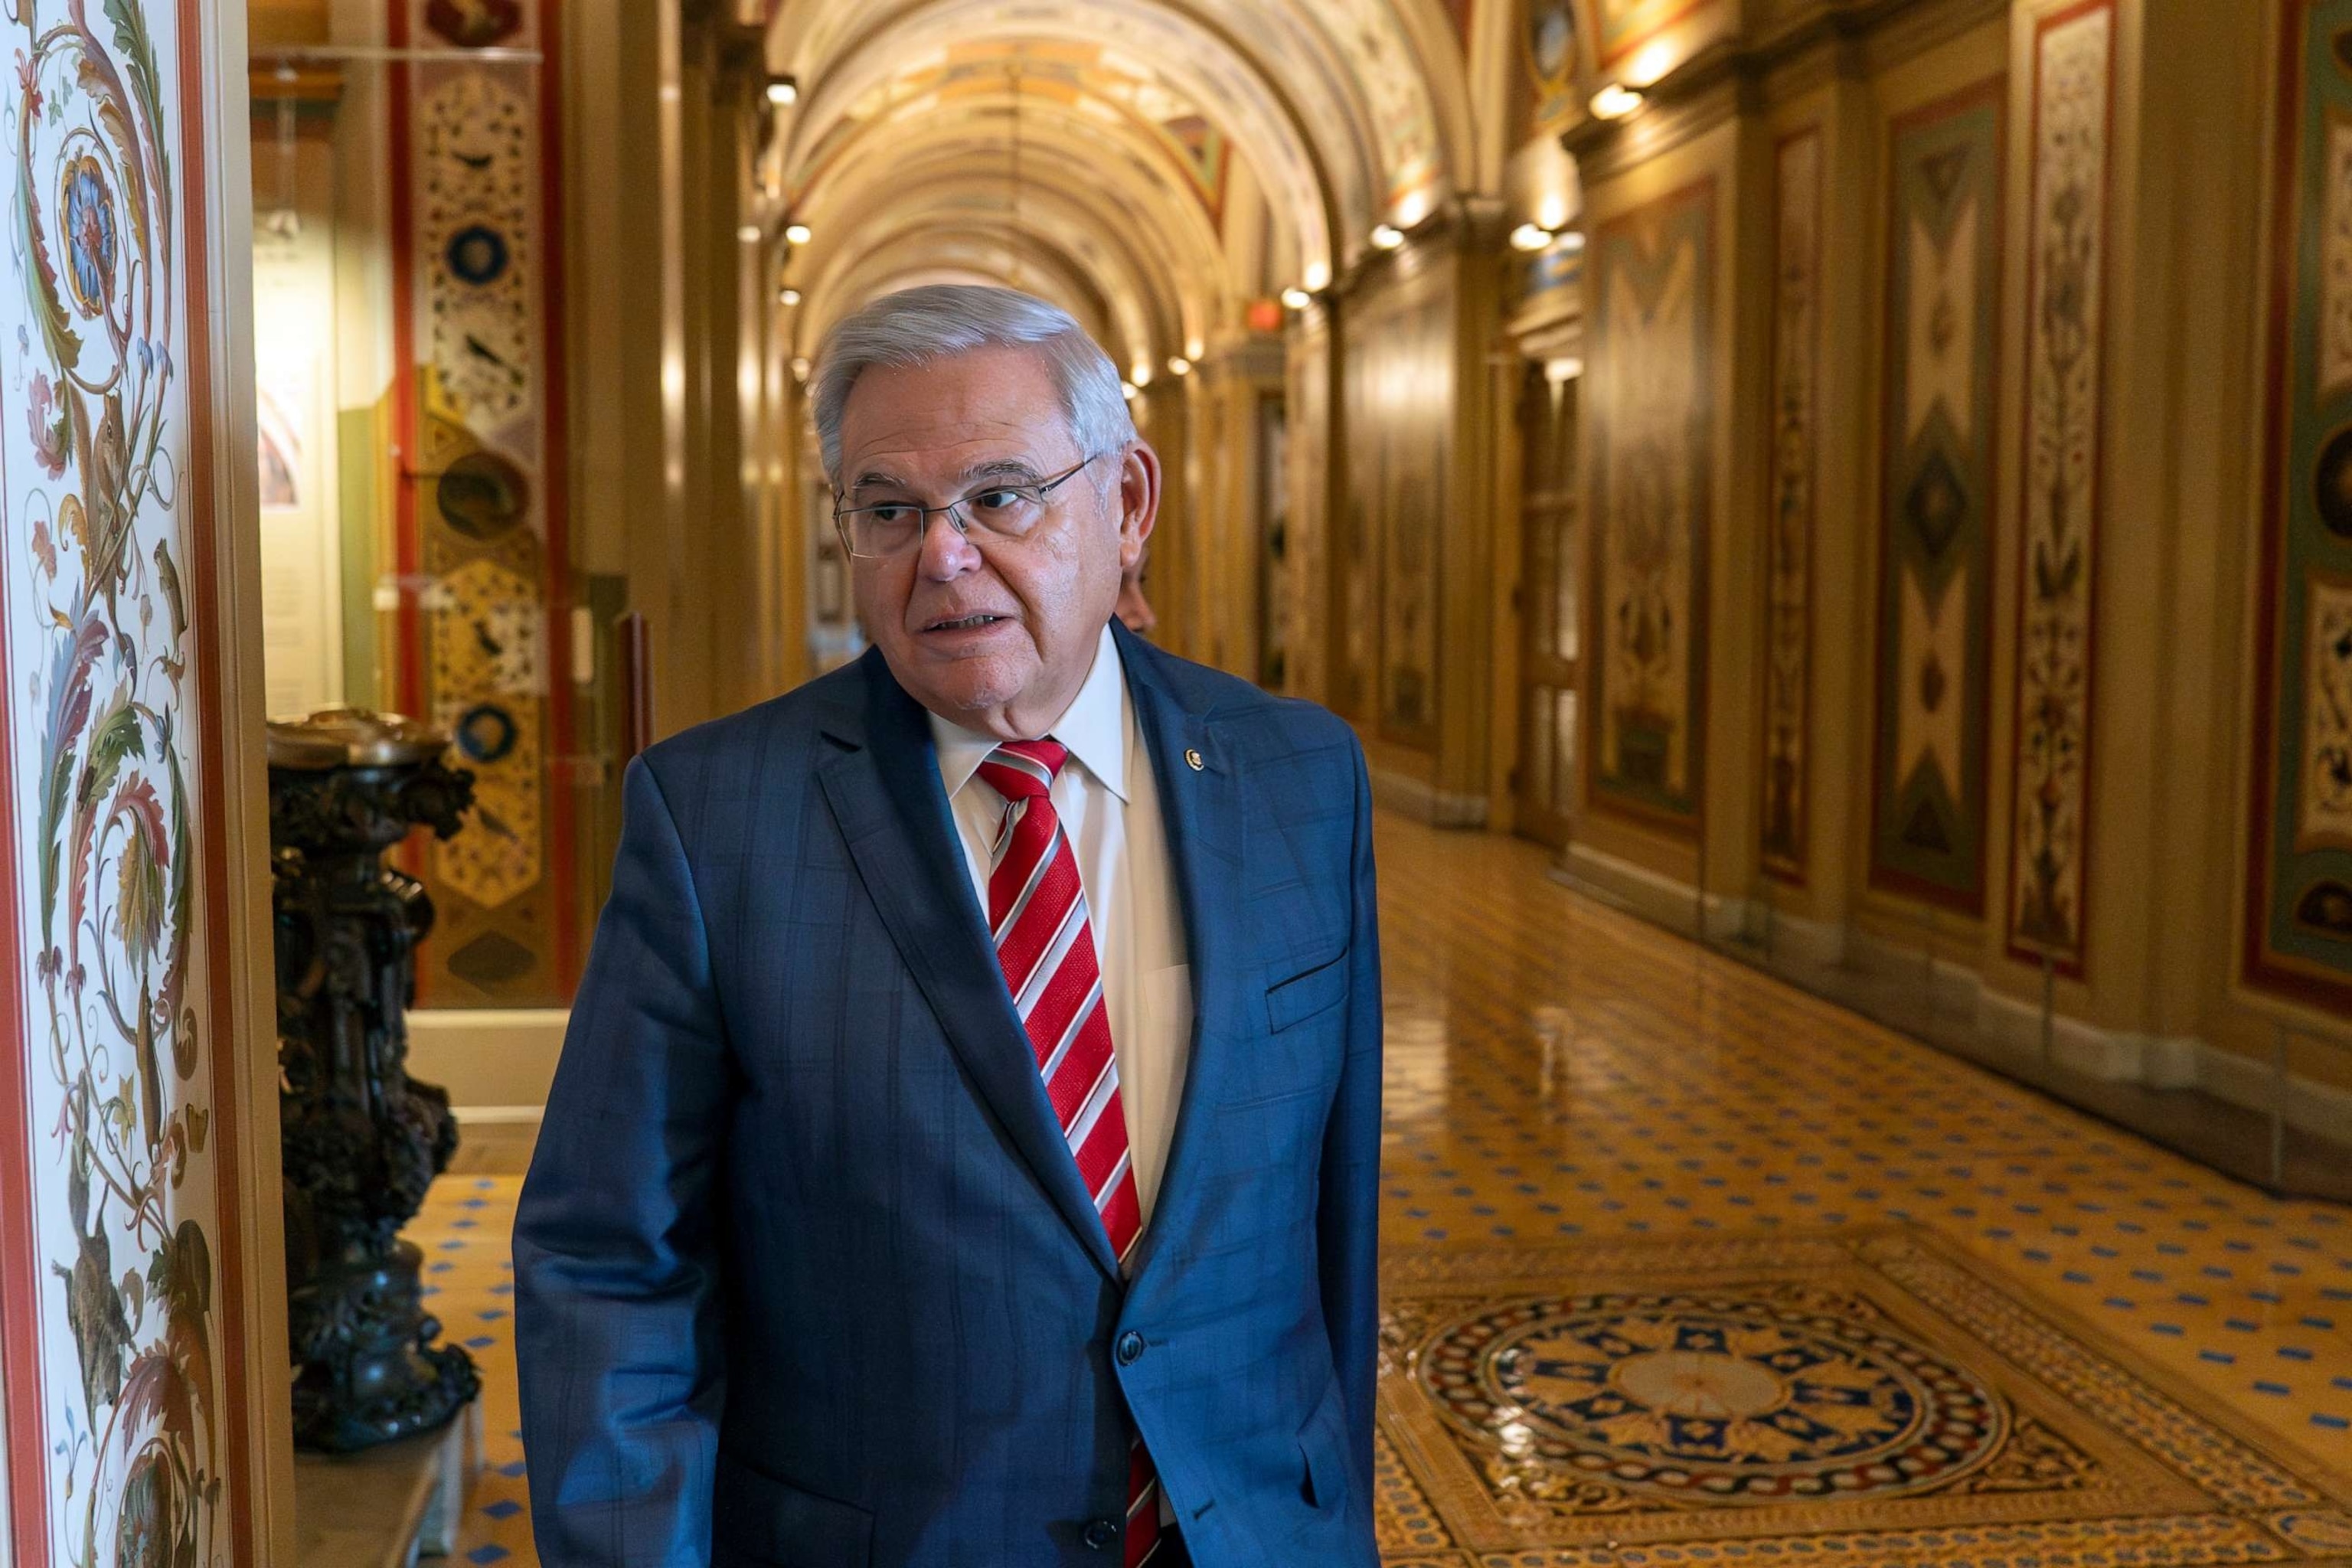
(947, 553)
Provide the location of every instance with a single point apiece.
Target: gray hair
(920, 326)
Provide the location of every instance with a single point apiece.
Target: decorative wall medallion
(86, 218)
(1650, 434)
(477, 255)
(1938, 418)
(1788, 537)
(122, 1300)
(2299, 825)
(482, 496)
(1714, 1398)
(2325, 910)
(2065, 310)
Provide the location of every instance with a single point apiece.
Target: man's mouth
(963, 623)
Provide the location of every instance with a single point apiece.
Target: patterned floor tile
(1560, 1076)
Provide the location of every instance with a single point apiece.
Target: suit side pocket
(759, 1518)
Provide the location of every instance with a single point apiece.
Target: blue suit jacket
(805, 1273)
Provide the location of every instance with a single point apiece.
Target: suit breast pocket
(1307, 994)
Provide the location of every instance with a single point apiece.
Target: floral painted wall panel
(122, 1296)
(2299, 897)
(2074, 53)
(1789, 538)
(1648, 424)
(1937, 499)
(482, 516)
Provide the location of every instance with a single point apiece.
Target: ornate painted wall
(1399, 371)
(2066, 303)
(1789, 522)
(1649, 435)
(120, 1280)
(2299, 896)
(1938, 412)
(481, 514)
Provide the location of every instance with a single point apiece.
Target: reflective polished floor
(1683, 1266)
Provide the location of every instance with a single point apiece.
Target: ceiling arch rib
(1309, 144)
(949, 252)
(1143, 291)
(931, 173)
(1057, 138)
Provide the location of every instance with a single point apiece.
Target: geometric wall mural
(1943, 281)
(483, 408)
(2299, 897)
(121, 1284)
(1789, 519)
(2066, 301)
(1651, 456)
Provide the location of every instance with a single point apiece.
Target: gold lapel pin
(1192, 756)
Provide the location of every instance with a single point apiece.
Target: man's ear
(1139, 501)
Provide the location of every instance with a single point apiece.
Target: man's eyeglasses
(999, 509)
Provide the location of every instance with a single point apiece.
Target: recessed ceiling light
(788, 297)
(1387, 236)
(749, 234)
(796, 233)
(1298, 299)
(1530, 237)
(1180, 366)
(784, 90)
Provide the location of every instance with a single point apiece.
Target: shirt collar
(1092, 728)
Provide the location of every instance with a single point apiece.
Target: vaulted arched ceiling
(1339, 114)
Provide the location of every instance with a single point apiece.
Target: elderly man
(965, 1147)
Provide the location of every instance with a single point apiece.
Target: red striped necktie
(1037, 915)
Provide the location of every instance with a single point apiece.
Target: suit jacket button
(1130, 1348)
(1102, 1534)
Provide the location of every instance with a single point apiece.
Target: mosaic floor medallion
(1714, 1398)
(1865, 1397)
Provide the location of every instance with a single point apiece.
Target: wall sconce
(1615, 102)
(1297, 298)
(783, 92)
(1180, 366)
(1530, 237)
(788, 296)
(1387, 236)
(797, 233)
(749, 234)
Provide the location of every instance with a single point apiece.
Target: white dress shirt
(1109, 805)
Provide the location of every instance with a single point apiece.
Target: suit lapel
(1201, 811)
(882, 782)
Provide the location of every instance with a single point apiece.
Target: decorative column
(362, 1139)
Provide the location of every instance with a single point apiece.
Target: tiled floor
(1585, 1113)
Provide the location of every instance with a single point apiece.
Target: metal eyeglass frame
(1043, 489)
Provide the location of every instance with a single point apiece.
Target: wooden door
(1551, 594)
